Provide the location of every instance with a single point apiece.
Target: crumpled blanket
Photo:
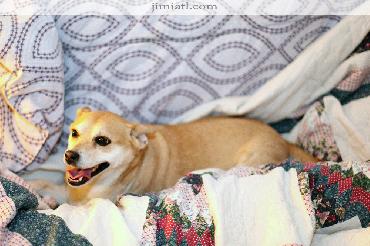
(291, 203)
(335, 127)
(331, 131)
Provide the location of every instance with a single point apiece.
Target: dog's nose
(71, 157)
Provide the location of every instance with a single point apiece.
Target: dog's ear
(80, 111)
(139, 136)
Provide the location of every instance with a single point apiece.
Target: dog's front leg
(52, 194)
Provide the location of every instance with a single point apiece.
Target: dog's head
(100, 146)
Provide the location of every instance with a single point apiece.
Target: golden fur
(146, 158)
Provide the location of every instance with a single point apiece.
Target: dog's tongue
(77, 173)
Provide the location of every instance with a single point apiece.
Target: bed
(307, 76)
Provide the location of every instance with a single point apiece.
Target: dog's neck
(128, 177)
(144, 173)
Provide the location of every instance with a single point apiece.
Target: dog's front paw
(119, 201)
(50, 194)
(50, 201)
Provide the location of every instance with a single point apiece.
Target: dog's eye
(74, 133)
(102, 141)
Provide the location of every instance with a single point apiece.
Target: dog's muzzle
(78, 176)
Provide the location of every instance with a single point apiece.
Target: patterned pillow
(32, 89)
(155, 68)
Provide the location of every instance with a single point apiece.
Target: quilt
(291, 202)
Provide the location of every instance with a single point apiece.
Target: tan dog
(108, 155)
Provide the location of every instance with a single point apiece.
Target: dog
(108, 155)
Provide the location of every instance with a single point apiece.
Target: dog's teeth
(80, 179)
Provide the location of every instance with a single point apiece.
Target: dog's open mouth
(78, 176)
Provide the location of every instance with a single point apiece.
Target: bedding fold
(315, 71)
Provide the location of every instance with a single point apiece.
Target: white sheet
(103, 223)
(264, 209)
(356, 237)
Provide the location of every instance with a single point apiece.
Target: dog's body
(107, 155)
